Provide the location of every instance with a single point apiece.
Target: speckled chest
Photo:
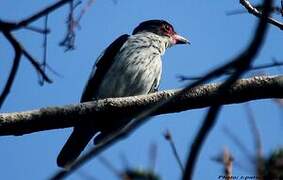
(136, 68)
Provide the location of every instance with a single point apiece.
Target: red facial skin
(167, 30)
(176, 39)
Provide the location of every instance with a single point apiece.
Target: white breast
(135, 69)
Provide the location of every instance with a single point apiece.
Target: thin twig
(109, 166)
(38, 30)
(43, 64)
(254, 130)
(275, 9)
(36, 65)
(274, 63)
(255, 12)
(85, 175)
(69, 41)
(40, 14)
(152, 156)
(124, 161)
(240, 145)
(257, 140)
(84, 10)
(53, 71)
(14, 69)
(168, 137)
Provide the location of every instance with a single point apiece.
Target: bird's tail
(74, 146)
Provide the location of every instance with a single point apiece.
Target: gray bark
(259, 87)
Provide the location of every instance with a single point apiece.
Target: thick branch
(260, 87)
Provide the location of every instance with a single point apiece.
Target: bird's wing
(101, 66)
(154, 87)
(156, 83)
(82, 134)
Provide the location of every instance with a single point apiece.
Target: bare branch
(152, 156)
(7, 27)
(168, 137)
(84, 10)
(16, 63)
(232, 136)
(38, 30)
(44, 46)
(72, 23)
(69, 40)
(275, 9)
(36, 65)
(40, 14)
(274, 63)
(254, 130)
(244, 90)
(255, 12)
(109, 166)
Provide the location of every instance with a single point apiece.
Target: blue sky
(215, 38)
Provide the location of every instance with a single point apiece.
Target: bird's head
(161, 28)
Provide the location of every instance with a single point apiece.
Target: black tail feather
(74, 146)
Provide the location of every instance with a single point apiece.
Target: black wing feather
(82, 134)
(102, 66)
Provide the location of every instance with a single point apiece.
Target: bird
(129, 66)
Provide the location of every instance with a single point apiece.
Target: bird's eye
(167, 28)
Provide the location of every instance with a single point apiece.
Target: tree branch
(7, 27)
(38, 15)
(252, 10)
(14, 69)
(259, 87)
(274, 63)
